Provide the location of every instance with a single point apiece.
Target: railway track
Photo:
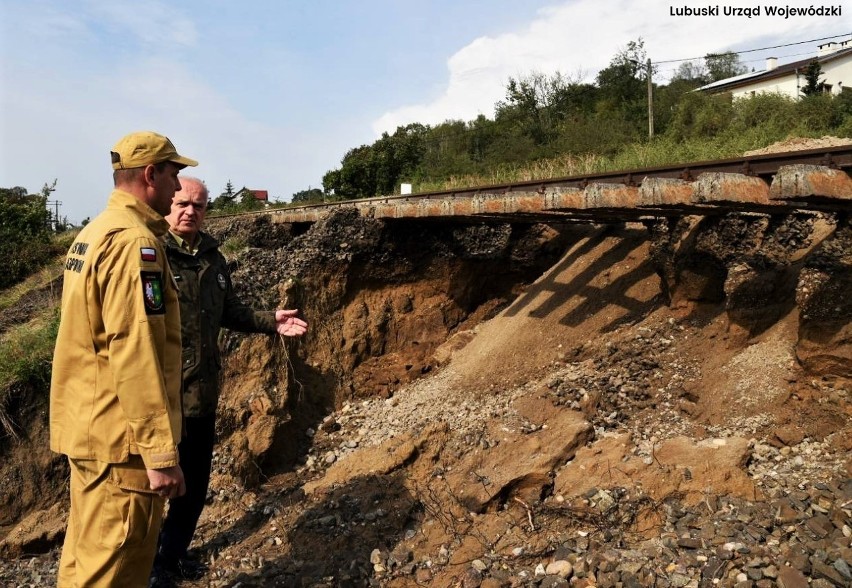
(815, 180)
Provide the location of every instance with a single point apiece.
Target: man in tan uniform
(115, 395)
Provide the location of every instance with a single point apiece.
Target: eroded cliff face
(706, 321)
(380, 298)
(762, 267)
(389, 302)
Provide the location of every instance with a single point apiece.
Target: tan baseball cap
(146, 148)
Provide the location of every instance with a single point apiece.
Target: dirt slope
(533, 406)
(603, 282)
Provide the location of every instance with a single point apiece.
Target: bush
(25, 231)
(603, 135)
(819, 114)
(773, 113)
(233, 245)
(845, 128)
(700, 115)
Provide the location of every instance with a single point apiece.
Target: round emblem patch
(223, 283)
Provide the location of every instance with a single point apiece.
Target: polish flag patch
(149, 254)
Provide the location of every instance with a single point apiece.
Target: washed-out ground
(520, 405)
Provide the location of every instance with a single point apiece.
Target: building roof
(262, 195)
(750, 78)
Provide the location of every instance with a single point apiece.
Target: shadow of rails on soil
(619, 264)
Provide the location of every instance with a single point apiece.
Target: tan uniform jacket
(116, 382)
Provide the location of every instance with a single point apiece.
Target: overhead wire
(753, 50)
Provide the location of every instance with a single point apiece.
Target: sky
(271, 94)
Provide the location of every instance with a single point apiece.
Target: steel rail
(763, 166)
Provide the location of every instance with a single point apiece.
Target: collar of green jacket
(205, 243)
(152, 219)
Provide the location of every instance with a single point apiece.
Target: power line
(671, 70)
(753, 50)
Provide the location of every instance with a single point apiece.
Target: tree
(480, 135)
(699, 116)
(667, 100)
(53, 219)
(377, 169)
(622, 87)
(24, 228)
(330, 183)
(309, 195)
(225, 199)
(397, 156)
(622, 78)
(691, 71)
(446, 151)
(721, 66)
(248, 200)
(357, 177)
(537, 104)
(813, 85)
(526, 106)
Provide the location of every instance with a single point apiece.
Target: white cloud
(580, 37)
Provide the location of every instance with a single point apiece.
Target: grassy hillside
(30, 318)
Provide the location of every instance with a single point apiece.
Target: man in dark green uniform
(207, 303)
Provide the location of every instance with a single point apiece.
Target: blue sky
(271, 94)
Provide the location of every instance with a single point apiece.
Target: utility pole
(648, 71)
(55, 220)
(650, 101)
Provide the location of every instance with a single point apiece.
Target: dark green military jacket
(207, 303)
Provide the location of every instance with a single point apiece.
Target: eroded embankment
(381, 297)
(389, 302)
(595, 424)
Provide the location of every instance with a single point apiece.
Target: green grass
(26, 350)
(41, 278)
(662, 151)
(233, 245)
(51, 270)
(26, 354)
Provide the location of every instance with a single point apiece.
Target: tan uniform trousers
(112, 531)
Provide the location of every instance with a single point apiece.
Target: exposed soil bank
(661, 405)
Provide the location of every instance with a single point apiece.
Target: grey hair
(197, 181)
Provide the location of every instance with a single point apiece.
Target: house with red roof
(261, 196)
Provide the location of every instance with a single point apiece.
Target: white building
(834, 58)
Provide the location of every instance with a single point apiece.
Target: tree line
(27, 228)
(545, 116)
